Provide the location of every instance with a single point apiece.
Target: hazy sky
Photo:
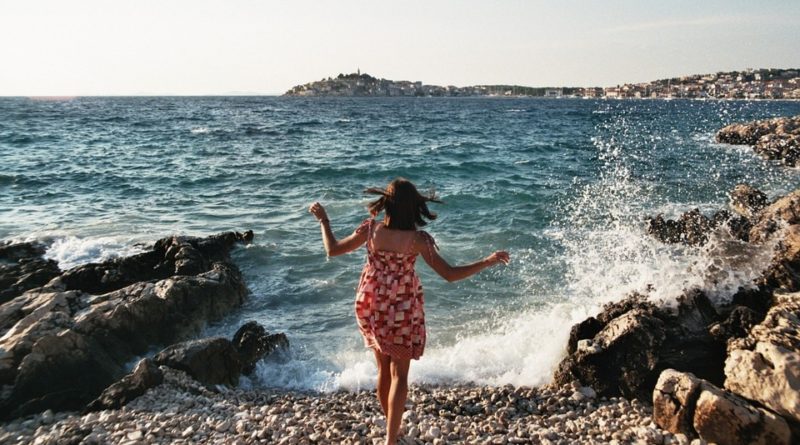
(76, 47)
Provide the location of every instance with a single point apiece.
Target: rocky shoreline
(727, 373)
(777, 139)
(181, 410)
(638, 372)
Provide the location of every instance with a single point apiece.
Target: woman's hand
(318, 211)
(501, 256)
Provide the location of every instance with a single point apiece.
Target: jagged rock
(619, 358)
(684, 404)
(177, 255)
(586, 329)
(61, 345)
(22, 268)
(726, 419)
(674, 398)
(211, 361)
(747, 201)
(737, 324)
(143, 377)
(688, 345)
(784, 211)
(693, 228)
(638, 340)
(777, 138)
(253, 342)
(765, 366)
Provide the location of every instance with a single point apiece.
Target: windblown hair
(405, 207)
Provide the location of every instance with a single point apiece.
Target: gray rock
(62, 344)
(143, 377)
(211, 361)
(253, 342)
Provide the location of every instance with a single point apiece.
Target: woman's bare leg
(397, 398)
(384, 380)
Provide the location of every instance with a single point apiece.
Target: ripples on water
(563, 184)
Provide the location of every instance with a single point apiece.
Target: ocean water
(564, 185)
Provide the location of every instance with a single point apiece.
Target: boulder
(144, 376)
(638, 340)
(210, 361)
(176, 255)
(61, 345)
(674, 399)
(726, 419)
(684, 404)
(584, 330)
(785, 211)
(22, 268)
(620, 358)
(747, 201)
(777, 139)
(736, 325)
(693, 228)
(688, 344)
(765, 366)
(253, 342)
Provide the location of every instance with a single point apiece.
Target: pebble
(183, 411)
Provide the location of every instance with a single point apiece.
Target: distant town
(747, 84)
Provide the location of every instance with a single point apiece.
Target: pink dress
(389, 301)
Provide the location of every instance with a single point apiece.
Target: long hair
(405, 207)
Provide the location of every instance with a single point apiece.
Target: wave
(72, 251)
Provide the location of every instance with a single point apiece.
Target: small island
(358, 84)
(768, 83)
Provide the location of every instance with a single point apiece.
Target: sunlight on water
(564, 185)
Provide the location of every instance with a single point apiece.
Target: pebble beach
(182, 411)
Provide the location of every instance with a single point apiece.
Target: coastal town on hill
(747, 84)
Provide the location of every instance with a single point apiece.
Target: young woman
(389, 300)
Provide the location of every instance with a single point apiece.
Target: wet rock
(143, 377)
(785, 211)
(784, 271)
(688, 345)
(737, 324)
(61, 345)
(586, 329)
(747, 201)
(623, 355)
(777, 138)
(639, 340)
(253, 342)
(693, 228)
(211, 361)
(22, 268)
(765, 366)
(177, 255)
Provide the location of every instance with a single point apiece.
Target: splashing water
(564, 185)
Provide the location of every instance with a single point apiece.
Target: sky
(208, 47)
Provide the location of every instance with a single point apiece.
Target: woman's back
(391, 240)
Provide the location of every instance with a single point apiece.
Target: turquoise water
(564, 185)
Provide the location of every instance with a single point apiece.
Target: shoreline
(181, 410)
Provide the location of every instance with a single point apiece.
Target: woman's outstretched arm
(455, 273)
(332, 246)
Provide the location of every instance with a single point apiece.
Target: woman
(389, 298)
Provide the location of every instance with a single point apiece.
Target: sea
(565, 185)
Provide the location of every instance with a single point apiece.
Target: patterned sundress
(389, 301)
